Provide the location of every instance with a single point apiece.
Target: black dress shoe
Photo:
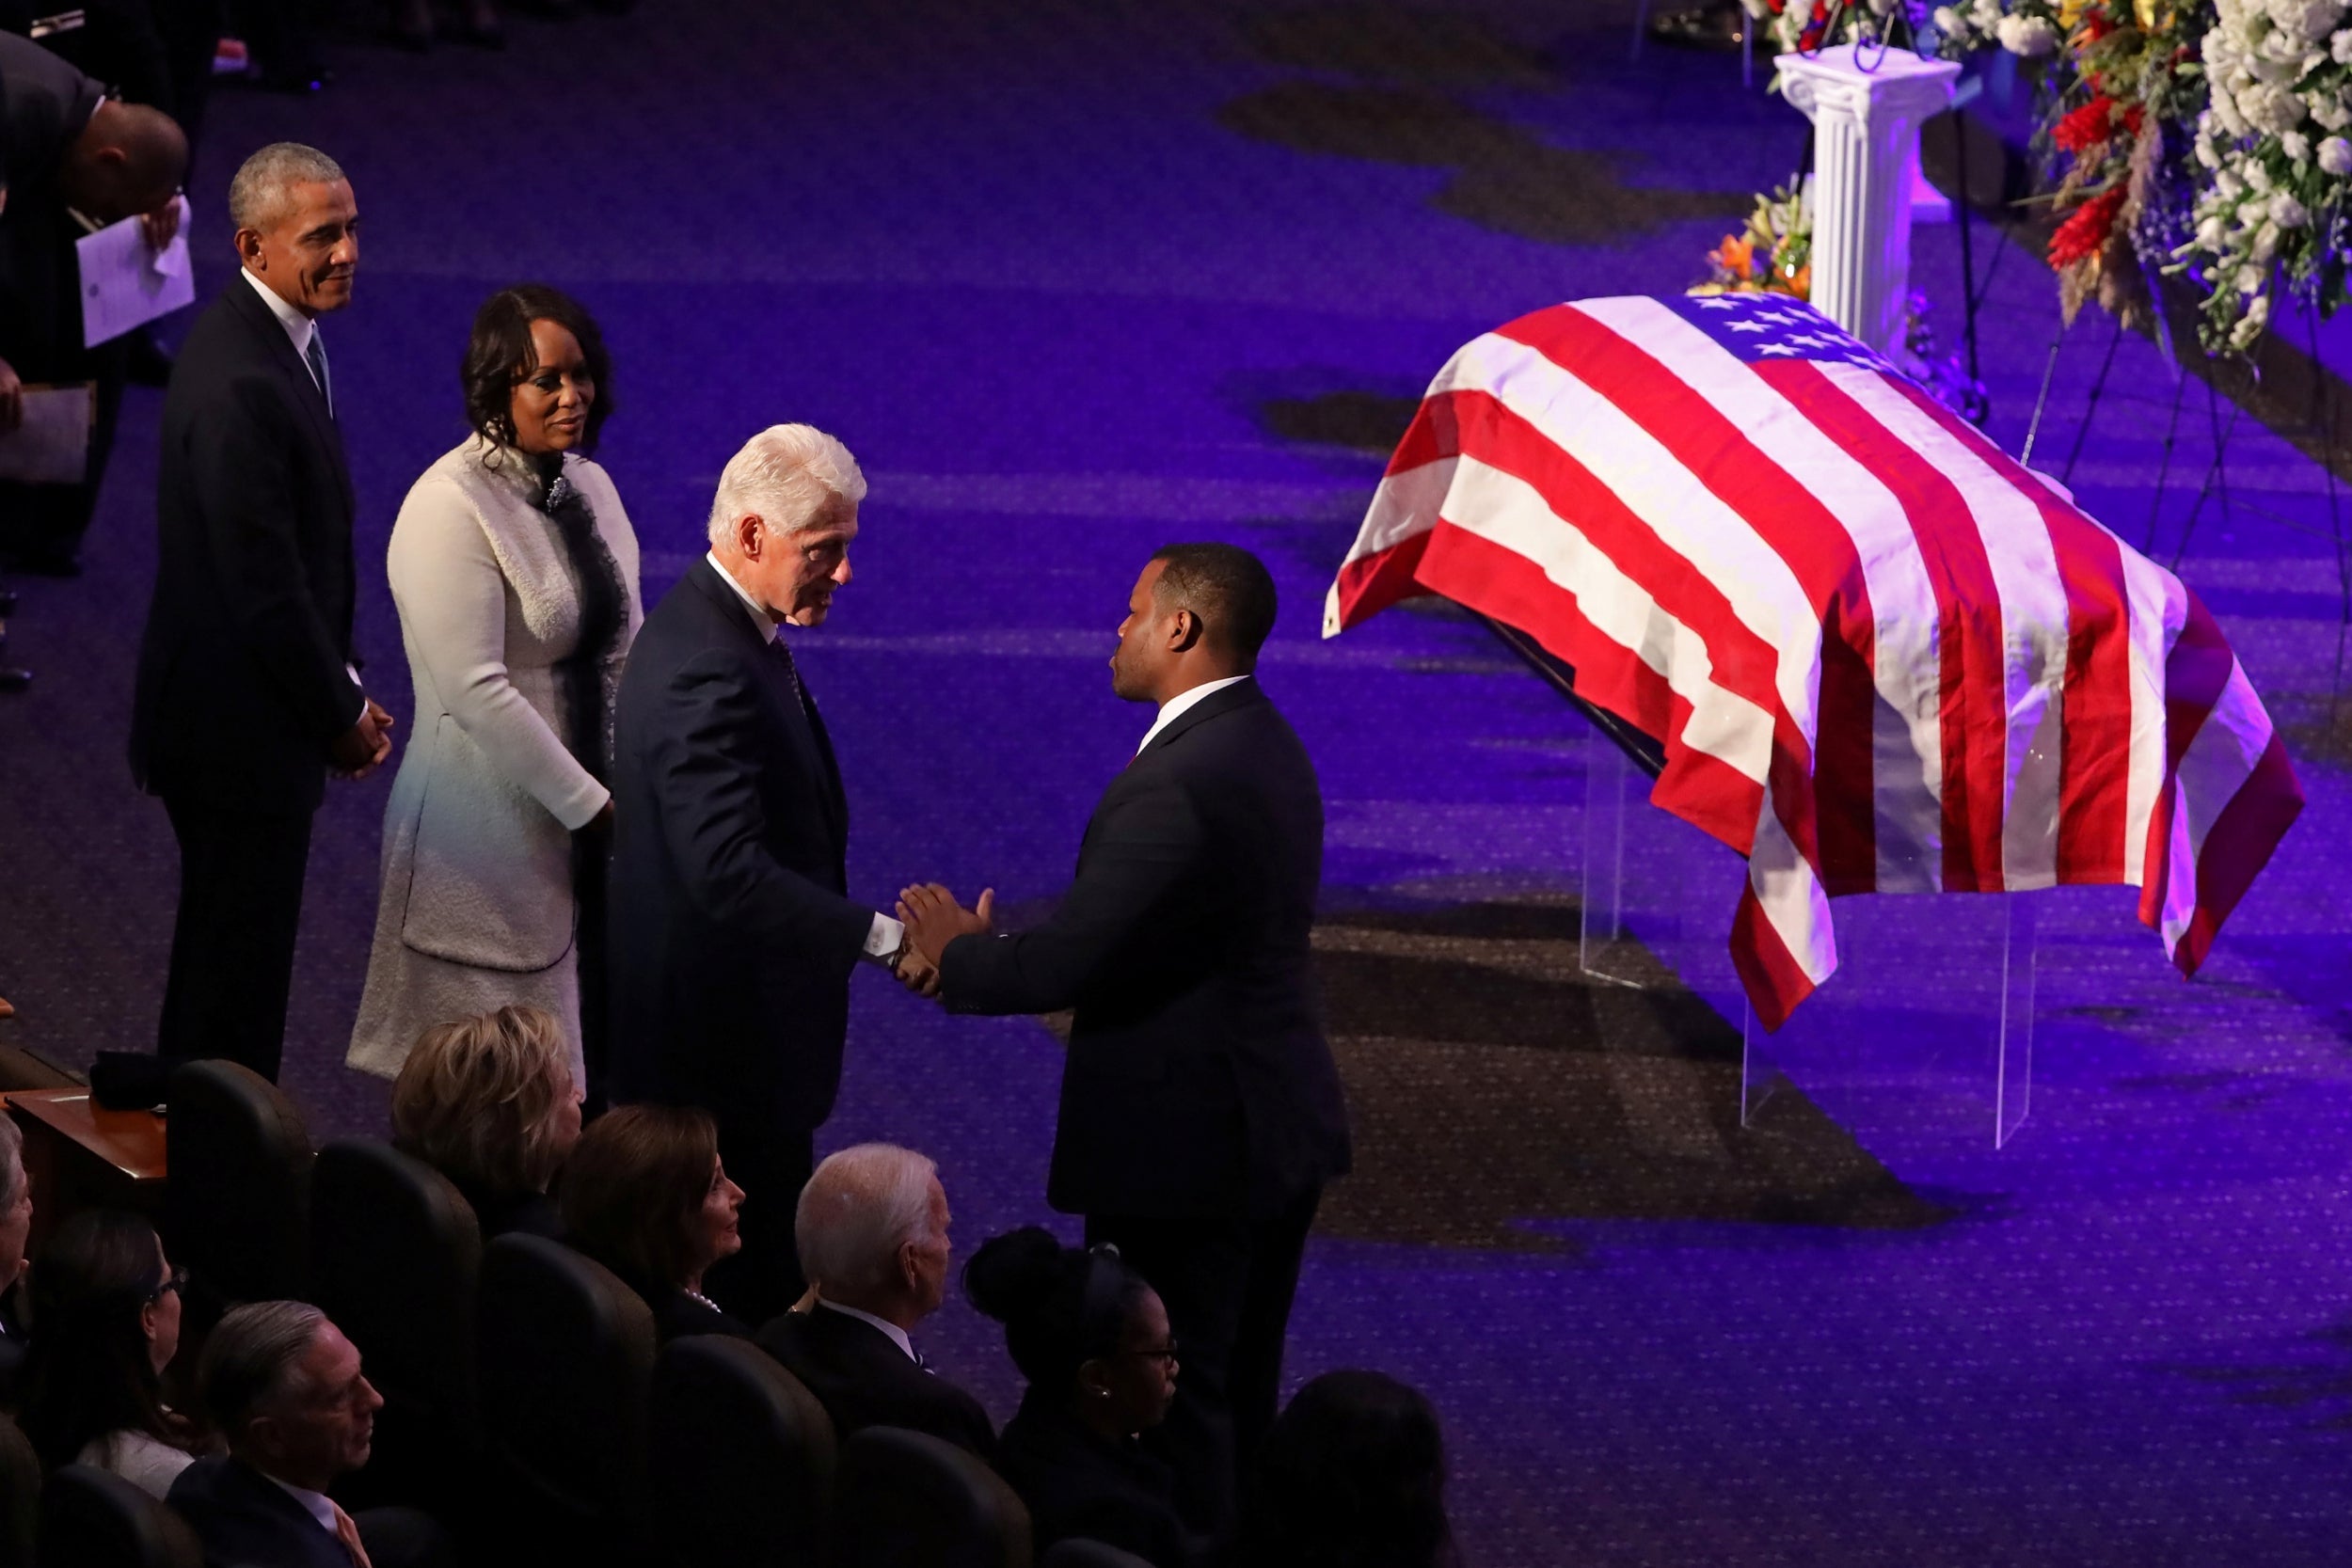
(148, 363)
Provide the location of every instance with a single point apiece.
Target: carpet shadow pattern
(1494, 1087)
(1504, 179)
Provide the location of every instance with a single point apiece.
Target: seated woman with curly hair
(645, 1196)
(490, 1102)
(107, 1301)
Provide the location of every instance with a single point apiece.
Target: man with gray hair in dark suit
(286, 1391)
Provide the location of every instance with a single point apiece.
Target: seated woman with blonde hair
(491, 1103)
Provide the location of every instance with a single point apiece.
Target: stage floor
(1075, 280)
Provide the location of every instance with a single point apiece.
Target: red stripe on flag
(2095, 732)
(1774, 981)
(2196, 673)
(2238, 846)
(1370, 583)
(1502, 585)
(1793, 521)
(1739, 659)
(1972, 657)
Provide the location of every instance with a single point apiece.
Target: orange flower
(1801, 282)
(1737, 257)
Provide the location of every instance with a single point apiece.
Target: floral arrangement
(1802, 26)
(2120, 82)
(1774, 255)
(2271, 148)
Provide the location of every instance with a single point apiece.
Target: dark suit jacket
(732, 938)
(245, 1520)
(1198, 1080)
(44, 104)
(242, 687)
(1077, 1484)
(675, 1314)
(863, 1380)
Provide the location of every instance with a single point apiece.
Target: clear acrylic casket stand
(1930, 1015)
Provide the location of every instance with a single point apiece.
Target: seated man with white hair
(732, 934)
(873, 1233)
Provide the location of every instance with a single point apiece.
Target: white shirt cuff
(884, 938)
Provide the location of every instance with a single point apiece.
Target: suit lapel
(806, 729)
(266, 327)
(1240, 694)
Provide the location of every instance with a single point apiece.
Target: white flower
(1986, 14)
(2027, 37)
(2314, 19)
(2297, 145)
(2329, 110)
(1948, 21)
(2249, 281)
(2250, 325)
(2209, 234)
(2339, 47)
(2270, 109)
(2257, 176)
(2287, 213)
(2335, 155)
(2265, 243)
(2227, 185)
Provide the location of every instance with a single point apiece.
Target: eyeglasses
(1165, 1355)
(176, 1283)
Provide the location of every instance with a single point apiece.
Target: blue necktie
(317, 357)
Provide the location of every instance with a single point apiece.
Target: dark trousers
(1226, 1281)
(771, 1166)
(232, 946)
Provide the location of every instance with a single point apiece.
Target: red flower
(2095, 27)
(2087, 127)
(2133, 117)
(2086, 230)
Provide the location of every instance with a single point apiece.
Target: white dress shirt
(1182, 703)
(313, 1503)
(898, 1334)
(885, 935)
(300, 328)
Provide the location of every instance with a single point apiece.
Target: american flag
(1879, 655)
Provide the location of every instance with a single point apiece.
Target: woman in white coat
(514, 571)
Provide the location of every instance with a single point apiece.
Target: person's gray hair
(264, 182)
(12, 1176)
(253, 1361)
(859, 1208)
(784, 475)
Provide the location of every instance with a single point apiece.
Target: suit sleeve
(453, 610)
(702, 771)
(237, 456)
(1141, 849)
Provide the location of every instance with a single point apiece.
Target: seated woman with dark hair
(109, 1304)
(1351, 1475)
(490, 1102)
(645, 1196)
(1093, 1340)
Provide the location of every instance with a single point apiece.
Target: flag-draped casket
(1879, 655)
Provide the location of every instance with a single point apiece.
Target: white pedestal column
(1866, 148)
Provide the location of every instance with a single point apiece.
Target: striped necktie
(316, 355)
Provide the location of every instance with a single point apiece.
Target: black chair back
(566, 1352)
(395, 1256)
(908, 1499)
(1077, 1552)
(90, 1518)
(237, 1208)
(20, 1495)
(742, 1458)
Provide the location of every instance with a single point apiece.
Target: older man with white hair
(873, 1233)
(732, 932)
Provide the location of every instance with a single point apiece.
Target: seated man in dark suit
(285, 1389)
(872, 1228)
